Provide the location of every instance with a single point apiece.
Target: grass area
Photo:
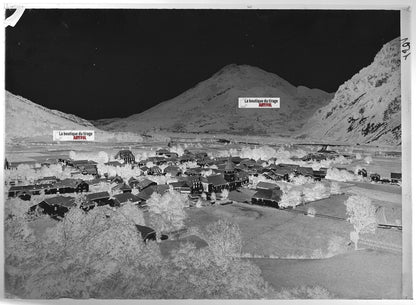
(40, 224)
(356, 275)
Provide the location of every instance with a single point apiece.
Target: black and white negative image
(203, 154)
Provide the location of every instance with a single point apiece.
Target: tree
(362, 215)
(224, 194)
(213, 197)
(167, 211)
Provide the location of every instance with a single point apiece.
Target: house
(172, 170)
(305, 171)
(375, 177)
(166, 153)
(144, 169)
(114, 163)
(290, 167)
(171, 155)
(266, 186)
(25, 192)
(214, 183)
(362, 172)
(195, 184)
(57, 206)
(201, 155)
(314, 157)
(319, 174)
(100, 198)
(147, 192)
(155, 171)
(121, 187)
(133, 182)
(186, 158)
(90, 170)
(142, 163)
(47, 180)
(81, 163)
(196, 171)
(281, 173)
(162, 152)
(20, 191)
(117, 179)
(181, 186)
(145, 183)
(123, 198)
(241, 179)
(267, 197)
(396, 177)
(70, 186)
(157, 160)
(125, 155)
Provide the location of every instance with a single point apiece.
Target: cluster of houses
(230, 173)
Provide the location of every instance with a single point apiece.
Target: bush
(368, 159)
(335, 189)
(342, 175)
(311, 212)
(316, 192)
(291, 198)
(305, 292)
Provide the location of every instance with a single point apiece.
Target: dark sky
(114, 63)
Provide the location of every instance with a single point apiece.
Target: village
(204, 180)
(287, 202)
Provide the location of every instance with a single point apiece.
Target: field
(291, 248)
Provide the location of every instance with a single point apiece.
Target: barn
(145, 183)
(181, 186)
(121, 187)
(123, 198)
(214, 183)
(57, 206)
(100, 198)
(267, 197)
(396, 177)
(71, 186)
(147, 192)
(172, 170)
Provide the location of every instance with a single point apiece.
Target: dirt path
(359, 275)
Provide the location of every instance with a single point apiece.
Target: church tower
(229, 171)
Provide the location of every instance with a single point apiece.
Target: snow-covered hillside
(212, 106)
(28, 120)
(366, 108)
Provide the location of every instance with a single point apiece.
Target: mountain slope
(27, 120)
(212, 106)
(366, 108)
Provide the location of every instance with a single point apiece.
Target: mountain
(212, 106)
(28, 120)
(25, 119)
(366, 108)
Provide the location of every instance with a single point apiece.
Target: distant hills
(365, 109)
(212, 106)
